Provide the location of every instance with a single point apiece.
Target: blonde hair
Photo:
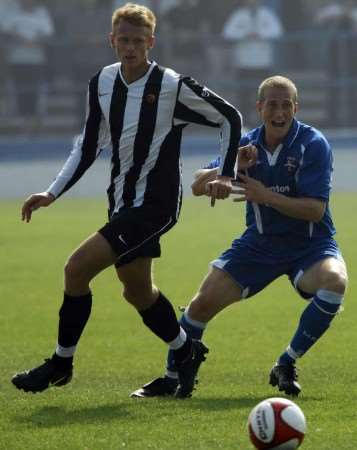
(277, 81)
(137, 15)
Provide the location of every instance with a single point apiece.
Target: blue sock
(194, 330)
(314, 321)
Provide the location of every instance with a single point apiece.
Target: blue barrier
(50, 148)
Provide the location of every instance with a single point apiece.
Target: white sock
(65, 352)
(179, 340)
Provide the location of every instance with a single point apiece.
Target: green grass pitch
(117, 353)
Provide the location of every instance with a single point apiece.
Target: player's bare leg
(217, 292)
(329, 274)
(138, 287)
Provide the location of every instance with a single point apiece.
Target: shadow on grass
(241, 402)
(213, 404)
(54, 416)
(221, 403)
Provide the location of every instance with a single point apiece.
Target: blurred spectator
(339, 21)
(160, 7)
(7, 9)
(336, 15)
(215, 14)
(28, 26)
(119, 3)
(163, 6)
(252, 28)
(295, 22)
(89, 51)
(185, 27)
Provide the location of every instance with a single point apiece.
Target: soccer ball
(276, 423)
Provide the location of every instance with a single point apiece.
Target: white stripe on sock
(330, 297)
(65, 352)
(292, 353)
(194, 323)
(179, 340)
(171, 374)
(324, 311)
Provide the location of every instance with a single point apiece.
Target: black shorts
(135, 232)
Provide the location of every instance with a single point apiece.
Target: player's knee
(335, 281)
(73, 268)
(140, 296)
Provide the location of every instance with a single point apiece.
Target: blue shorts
(255, 260)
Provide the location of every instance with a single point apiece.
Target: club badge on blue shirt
(291, 164)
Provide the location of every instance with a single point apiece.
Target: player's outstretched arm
(35, 201)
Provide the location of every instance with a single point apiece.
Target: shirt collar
(287, 141)
(141, 80)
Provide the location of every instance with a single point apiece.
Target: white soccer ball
(276, 423)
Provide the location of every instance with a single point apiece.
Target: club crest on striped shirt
(150, 98)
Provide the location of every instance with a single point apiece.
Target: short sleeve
(314, 175)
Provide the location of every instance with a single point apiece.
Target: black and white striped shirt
(142, 124)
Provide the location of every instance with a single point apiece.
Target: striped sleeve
(197, 104)
(87, 146)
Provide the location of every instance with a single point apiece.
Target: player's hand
(250, 189)
(247, 156)
(202, 177)
(219, 188)
(34, 202)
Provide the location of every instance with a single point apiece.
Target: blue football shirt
(301, 166)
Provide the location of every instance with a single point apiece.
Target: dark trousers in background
(29, 84)
(248, 82)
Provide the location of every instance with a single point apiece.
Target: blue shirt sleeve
(216, 162)
(244, 141)
(213, 164)
(314, 174)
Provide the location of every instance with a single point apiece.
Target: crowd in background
(54, 46)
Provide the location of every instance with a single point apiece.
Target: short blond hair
(137, 15)
(277, 81)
